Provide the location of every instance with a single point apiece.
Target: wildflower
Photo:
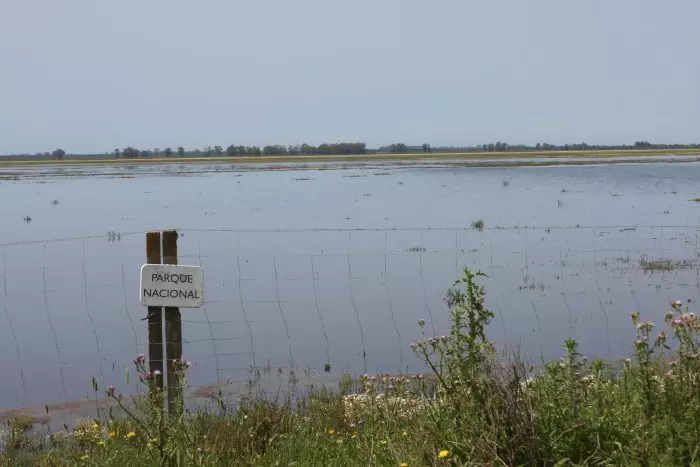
(339, 441)
(100, 443)
(403, 464)
(153, 441)
(421, 323)
(661, 338)
(157, 373)
(112, 434)
(130, 435)
(354, 435)
(404, 434)
(414, 346)
(95, 426)
(331, 431)
(668, 316)
(628, 361)
(444, 453)
(110, 390)
(199, 449)
(140, 359)
(85, 457)
(677, 304)
(383, 442)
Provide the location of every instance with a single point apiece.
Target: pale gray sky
(89, 75)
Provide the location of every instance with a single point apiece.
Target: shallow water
(304, 267)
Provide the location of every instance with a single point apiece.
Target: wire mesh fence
(327, 299)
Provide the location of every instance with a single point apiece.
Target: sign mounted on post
(171, 286)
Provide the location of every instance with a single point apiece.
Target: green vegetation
(664, 264)
(478, 224)
(474, 408)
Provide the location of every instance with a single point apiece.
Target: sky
(90, 76)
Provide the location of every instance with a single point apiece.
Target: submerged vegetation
(474, 406)
(666, 265)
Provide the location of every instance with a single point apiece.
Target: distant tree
(397, 148)
(59, 154)
(156, 151)
(254, 151)
(218, 150)
(181, 151)
(274, 150)
(231, 151)
(116, 153)
(144, 154)
(130, 153)
(427, 148)
(168, 152)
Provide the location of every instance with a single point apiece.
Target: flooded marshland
(314, 267)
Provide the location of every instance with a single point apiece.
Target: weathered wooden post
(173, 331)
(155, 318)
(166, 284)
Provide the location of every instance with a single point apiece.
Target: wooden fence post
(173, 332)
(155, 318)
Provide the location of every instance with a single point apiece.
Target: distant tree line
(234, 151)
(505, 147)
(349, 148)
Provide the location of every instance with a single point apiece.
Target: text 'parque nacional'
(171, 286)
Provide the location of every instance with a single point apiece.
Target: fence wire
(322, 300)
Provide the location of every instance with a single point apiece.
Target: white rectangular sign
(174, 286)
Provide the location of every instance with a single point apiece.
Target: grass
(478, 224)
(663, 265)
(602, 154)
(475, 406)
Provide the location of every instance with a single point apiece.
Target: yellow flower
(153, 441)
(382, 442)
(444, 453)
(403, 464)
(331, 431)
(100, 443)
(404, 433)
(85, 457)
(354, 435)
(339, 441)
(130, 434)
(95, 426)
(112, 434)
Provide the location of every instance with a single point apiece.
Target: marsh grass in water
(478, 224)
(474, 406)
(664, 264)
